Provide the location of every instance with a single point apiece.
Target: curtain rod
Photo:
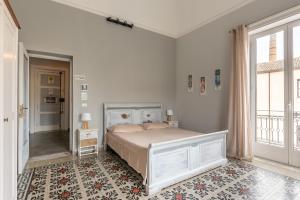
(233, 29)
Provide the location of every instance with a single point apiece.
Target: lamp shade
(170, 112)
(86, 117)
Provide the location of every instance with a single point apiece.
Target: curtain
(239, 138)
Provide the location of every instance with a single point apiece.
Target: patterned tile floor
(109, 177)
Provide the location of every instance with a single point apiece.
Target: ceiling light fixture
(120, 22)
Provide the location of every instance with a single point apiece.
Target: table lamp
(85, 118)
(169, 114)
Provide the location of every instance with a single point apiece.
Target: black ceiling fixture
(120, 22)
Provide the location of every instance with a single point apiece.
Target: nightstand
(172, 124)
(87, 141)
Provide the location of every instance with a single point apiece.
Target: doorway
(275, 91)
(49, 106)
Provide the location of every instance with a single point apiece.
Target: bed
(162, 156)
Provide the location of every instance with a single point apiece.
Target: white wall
(138, 65)
(121, 64)
(201, 52)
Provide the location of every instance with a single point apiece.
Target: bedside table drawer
(88, 135)
(88, 142)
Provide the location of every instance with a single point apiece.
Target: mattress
(133, 146)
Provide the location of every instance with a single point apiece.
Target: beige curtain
(239, 139)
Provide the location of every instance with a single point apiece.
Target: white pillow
(149, 126)
(126, 128)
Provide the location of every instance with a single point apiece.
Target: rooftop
(275, 66)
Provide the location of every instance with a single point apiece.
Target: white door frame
(10, 192)
(37, 100)
(287, 154)
(69, 98)
(34, 95)
(294, 155)
(23, 103)
(272, 152)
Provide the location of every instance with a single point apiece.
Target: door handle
(22, 107)
(22, 110)
(5, 119)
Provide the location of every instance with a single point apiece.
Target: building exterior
(270, 98)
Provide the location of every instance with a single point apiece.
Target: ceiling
(173, 18)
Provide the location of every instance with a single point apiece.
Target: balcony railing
(270, 128)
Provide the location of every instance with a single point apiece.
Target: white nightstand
(172, 124)
(87, 141)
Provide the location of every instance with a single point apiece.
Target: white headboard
(131, 113)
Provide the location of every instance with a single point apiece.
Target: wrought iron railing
(270, 127)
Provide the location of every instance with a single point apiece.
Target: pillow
(149, 126)
(126, 128)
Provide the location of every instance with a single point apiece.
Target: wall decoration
(218, 79)
(203, 85)
(190, 83)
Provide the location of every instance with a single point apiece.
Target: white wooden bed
(172, 161)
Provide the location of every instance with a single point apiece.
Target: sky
(264, 42)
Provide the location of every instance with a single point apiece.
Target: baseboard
(50, 156)
(52, 131)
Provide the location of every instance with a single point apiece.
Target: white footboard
(171, 162)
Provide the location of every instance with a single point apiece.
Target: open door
(8, 104)
(23, 130)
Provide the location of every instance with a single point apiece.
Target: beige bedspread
(133, 147)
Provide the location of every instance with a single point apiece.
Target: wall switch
(84, 105)
(80, 77)
(84, 96)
